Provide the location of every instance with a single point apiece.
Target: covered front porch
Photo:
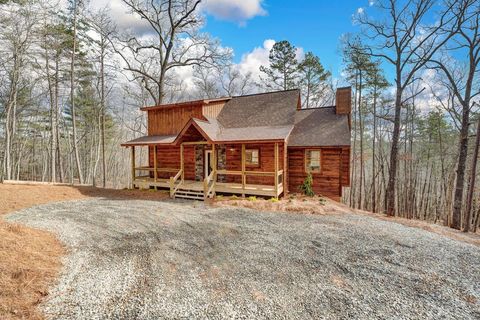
(201, 169)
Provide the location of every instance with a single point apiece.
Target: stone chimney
(343, 100)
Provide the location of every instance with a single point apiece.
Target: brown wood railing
(158, 169)
(173, 183)
(209, 185)
(278, 182)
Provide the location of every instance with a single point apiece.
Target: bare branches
(175, 42)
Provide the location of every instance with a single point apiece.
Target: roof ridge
(316, 108)
(260, 93)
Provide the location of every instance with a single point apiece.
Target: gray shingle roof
(260, 110)
(217, 132)
(320, 127)
(269, 116)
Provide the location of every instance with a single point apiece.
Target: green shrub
(234, 197)
(274, 199)
(219, 197)
(252, 198)
(306, 186)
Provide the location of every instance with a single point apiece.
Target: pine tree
(313, 80)
(283, 71)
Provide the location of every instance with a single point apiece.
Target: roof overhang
(150, 140)
(184, 104)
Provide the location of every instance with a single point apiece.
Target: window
(251, 157)
(312, 161)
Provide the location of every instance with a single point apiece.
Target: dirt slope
(30, 258)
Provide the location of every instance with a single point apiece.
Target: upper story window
(252, 157)
(312, 161)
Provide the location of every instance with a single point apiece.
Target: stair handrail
(207, 188)
(173, 180)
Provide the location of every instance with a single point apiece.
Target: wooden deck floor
(220, 187)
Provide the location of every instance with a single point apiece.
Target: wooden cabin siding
(213, 109)
(266, 162)
(345, 166)
(169, 157)
(334, 170)
(171, 120)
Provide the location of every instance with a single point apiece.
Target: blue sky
(249, 27)
(313, 25)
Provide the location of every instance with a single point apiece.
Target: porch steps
(189, 194)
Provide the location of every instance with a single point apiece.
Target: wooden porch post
(244, 179)
(214, 164)
(181, 162)
(285, 169)
(133, 166)
(155, 173)
(276, 169)
(214, 160)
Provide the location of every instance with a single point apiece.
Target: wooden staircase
(192, 190)
(189, 194)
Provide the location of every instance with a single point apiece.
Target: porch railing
(173, 183)
(209, 185)
(277, 179)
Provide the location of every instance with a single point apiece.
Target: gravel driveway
(154, 260)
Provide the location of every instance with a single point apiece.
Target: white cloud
(251, 61)
(371, 2)
(234, 10)
(238, 11)
(360, 10)
(121, 15)
(249, 64)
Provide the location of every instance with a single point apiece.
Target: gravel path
(153, 260)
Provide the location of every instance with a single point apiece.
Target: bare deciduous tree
(464, 82)
(406, 41)
(175, 42)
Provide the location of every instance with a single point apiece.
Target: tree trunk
(72, 97)
(353, 171)
(53, 112)
(462, 159)
(102, 102)
(374, 198)
(360, 124)
(57, 116)
(392, 174)
(471, 187)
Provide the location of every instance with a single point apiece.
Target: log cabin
(260, 144)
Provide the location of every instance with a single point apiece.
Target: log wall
(335, 170)
(169, 157)
(334, 173)
(266, 162)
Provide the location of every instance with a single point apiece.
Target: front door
(208, 162)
